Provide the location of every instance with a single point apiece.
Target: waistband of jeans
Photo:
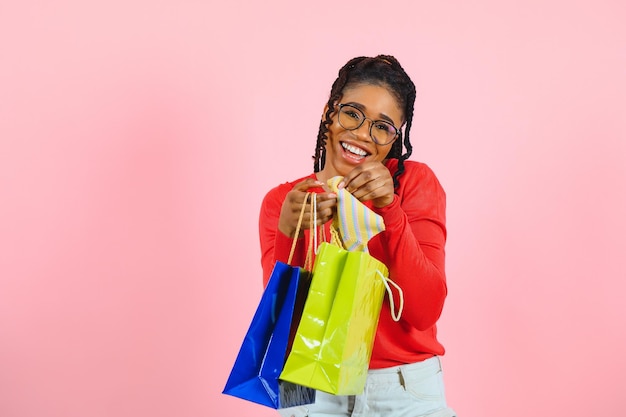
(428, 366)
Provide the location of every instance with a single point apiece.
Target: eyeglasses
(381, 132)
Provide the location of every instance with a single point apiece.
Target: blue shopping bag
(254, 376)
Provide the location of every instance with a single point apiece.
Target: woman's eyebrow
(361, 107)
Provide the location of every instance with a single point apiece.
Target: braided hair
(382, 70)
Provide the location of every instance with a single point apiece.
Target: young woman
(364, 137)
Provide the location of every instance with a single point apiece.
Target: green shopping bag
(333, 343)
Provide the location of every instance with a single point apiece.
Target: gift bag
(334, 340)
(254, 376)
(335, 337)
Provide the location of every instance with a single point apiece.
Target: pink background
(137, 139)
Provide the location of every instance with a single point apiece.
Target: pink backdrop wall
(137, 139)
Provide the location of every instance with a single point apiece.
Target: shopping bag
(254, 376)
(333, 343)
(335, 337)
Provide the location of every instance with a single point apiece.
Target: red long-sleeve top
(412, 247)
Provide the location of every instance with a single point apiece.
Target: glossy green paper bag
(334, 340)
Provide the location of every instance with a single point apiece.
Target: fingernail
(341, 185)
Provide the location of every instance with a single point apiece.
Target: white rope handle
(395, 316)
(314, 210)
(297, 232)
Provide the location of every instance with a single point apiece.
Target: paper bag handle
(298, 226)
(308, 261)
(312, 246)
(395, 316)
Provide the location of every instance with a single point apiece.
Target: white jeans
(414, 390)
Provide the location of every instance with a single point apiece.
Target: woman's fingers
(292, 207)
(306, 184)
(325, 204)
(371, 181)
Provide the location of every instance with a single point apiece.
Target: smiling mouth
(354, 150)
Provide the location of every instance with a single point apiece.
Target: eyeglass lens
(352, 118)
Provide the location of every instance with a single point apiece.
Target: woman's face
(345, 149)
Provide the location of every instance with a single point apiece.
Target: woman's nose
(363, 131)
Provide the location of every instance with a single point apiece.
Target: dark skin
(292, 206)
(365, 176)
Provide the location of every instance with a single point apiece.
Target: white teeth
(354, 149)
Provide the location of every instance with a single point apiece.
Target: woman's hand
(292, 206)
(370, 181)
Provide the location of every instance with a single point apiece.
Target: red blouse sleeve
(412, 245)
